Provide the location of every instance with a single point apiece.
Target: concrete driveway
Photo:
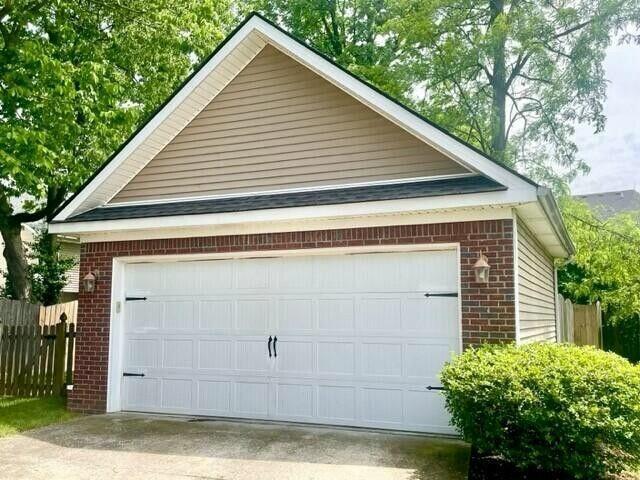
(129, 446)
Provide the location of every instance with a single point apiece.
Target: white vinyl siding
(279, 125)
(536, 289)
(71, 250)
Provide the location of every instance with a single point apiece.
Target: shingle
(370, 193)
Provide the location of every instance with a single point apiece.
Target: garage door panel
(379, 314)
(358, 342)
(179, 315)
(294, 356)
(295, 314)
(430, 317)
(216, 316)
(144, 316)
(254, 274)
(424, 361)
(251, 355)
(141, 393)
(215, 355)
(294, 400)
(336, 358)
(178, 353)
(142, 352)
(335, 274)
(426, 409)
(253, 315)
(214, 396)
(176, 394)
(252, 398)
(216, 275)
(337, 314)
(381, 360)
(337, 403)
(380, 405)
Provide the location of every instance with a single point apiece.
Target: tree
(76, 77)
(512, 77)
(48, 269)
(606, 266)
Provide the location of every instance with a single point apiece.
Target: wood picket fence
(35, 359)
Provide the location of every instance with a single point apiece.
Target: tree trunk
(499, 90)
(15, 256)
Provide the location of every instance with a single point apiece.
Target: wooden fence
(36, 360)
(579, 324)
(18, 312)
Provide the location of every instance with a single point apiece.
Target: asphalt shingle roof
(371, 193)
(607, 204)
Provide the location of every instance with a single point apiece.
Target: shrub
(559, 408)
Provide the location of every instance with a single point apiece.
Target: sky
(614, 155)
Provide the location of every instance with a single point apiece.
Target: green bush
(561, 408)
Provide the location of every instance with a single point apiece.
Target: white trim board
(238, 50)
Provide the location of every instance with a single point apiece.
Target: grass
(18, 414)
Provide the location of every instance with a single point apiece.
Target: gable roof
(229, 58)
(608, 204)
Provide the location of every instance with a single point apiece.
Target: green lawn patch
(18, 414)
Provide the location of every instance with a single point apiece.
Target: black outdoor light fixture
(481, 269)
(89, 281)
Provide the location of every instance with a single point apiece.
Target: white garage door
(357, 340)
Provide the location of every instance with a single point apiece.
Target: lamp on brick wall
(89, 281)
(481, 269)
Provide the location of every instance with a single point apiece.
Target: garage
(337, 337)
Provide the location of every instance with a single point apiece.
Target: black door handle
(127, 374)
(275, 353)
(269, 346)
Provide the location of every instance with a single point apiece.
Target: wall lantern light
(89, 282)
(481, 269)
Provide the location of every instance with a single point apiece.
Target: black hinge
(448, 294)
(127, 374)
(134, 299)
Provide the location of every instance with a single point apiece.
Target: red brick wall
(488, 310)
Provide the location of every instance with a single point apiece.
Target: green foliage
(561, 408)
(77, 77)
(48, 269)
(512, 77)
(606, 266)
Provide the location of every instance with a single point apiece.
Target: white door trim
(116, 330)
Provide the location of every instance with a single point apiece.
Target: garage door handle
(434, 388)
(128, 374)
(269, 346)
(275, 353)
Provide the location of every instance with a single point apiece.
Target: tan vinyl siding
(278, 125)
(536, 289)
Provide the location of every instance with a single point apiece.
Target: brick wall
(488, 310)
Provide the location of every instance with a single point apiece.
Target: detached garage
(281, 241)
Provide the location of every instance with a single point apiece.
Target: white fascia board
(293, 214)
(431, 135)
(156, 121)
(302, 225)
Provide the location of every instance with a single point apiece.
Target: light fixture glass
(481, 269)
(89, 282)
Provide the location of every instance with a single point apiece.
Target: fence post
(58, 361)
